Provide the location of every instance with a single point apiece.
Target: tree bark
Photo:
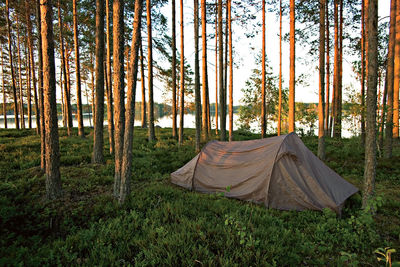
(204, 116)
(143, 107)
(98, 141)
(335, 99)
(110, 111)
(220, 74)
(263, 121)
(363, 72)
(67, 102)
(4, 90)
(10, 56)
(321, 104)
(327, 130)
(130, 110)
(280, 70)
(21, 95)
(40, 86)
(152, 135)
(173, 68)
(230, 71)
(81, 131)
(28, 85)
(197, 74)
(53, 180)
(182, 80)
(292, 68)
(396, 83)
(340, 76)
(370, 141)
(216, 68)
(119, 93)
(390, 81)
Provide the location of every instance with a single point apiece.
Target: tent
(280, 172)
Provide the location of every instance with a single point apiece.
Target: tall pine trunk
(363, 72)
(110, 111)
(173, 68)
(98, 140)
(390, 81)
(263, 121)
(327, 130)
(182, 80)
(40, 86)
(321, 103)
(396, 83)
(143, 107)
(126, 170)
(53, 179)
(197, 74)
(81, 131)
(4, 90)
(221, 75)
(204, 116)
(216, 67)
(292, 76)
(118, 86)
(28, 85)
(152, 135)
(21, 95)
(229, 7)
(370, 140)
(280, 70)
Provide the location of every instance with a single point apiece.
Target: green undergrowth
(161, 224)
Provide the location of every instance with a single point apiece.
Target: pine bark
(280, 70)
(130, 110)
(10, 56)
(28, 85)
(335, 99)
(220, 75)
(370, 141)
(197, 75)
(40, 87)
(173, 68)
(21, 95)
(390, 81)
(152, 135)
(53, 179)
(396, 83)
(321, 103)
(327, 130)
(204, 116)
(216, 68)
(182, 79)
(263, 121)
(292, 69)
(119, 92)
(98, 141)
(110, 110)
(363, 72)
(143, 107)
(230, 71)
(4, 90)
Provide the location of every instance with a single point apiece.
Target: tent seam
(197, 161)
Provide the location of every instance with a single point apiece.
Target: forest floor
(162, 224)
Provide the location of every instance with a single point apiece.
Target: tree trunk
(335, 99)
(182, 80)
(396, 82)
(230, 72)
(225, 67)
(220, 74)
(40, 86)
(363, 72)
(143, 107)
(119, 93)
(280, 70)
(263, 121)
(216, 68)
(327, 131)
(340, 76)
(204, 69)
(67, 102)
(64, 116)
(28, 85)
(370, 141)
(382, 122)
(152, 135)
(173, 68)
(53, 180)
(10, 56)
(21, 95)
(130, 110)
(321, 104)
(292, 78)
(98, 126)
(4, 90)
(67, 60)
(93, 89)
(197, 75)
(110, 111)
(389, 81)
(81, 131)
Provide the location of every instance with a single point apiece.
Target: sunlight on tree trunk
(143, 106)
(197, 75)
(280, 70)
(220, 74)
(396, 75)
(263, 122)
(152, 135)
(292, 78)
(321, 104)
(109, 92)
(204, 70)
(230, 72)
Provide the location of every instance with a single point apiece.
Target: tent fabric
(280, 172)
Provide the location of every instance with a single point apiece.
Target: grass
(161, 224)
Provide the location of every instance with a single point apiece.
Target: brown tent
(280, 172)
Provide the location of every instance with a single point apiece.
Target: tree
(10, 56)
(230, 72)
(396, 83)
(81, 131)
(53, 179)
(143, 111)
(174, 127)
(119, 93)
(28, 84)
(197, 74)
(363, 71)
(130, 109)
(204, 116)
(98, 140)
(40, 85)
(216, 67)
(292, 68)
(182, 80)
(4, 89)
(327, 130)
(220, 75)
(263, 122)
(390, 80)
(372, 75)
(321, 104)
(21, 95)
(280, 70)
(152, 135)
(110, 112)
